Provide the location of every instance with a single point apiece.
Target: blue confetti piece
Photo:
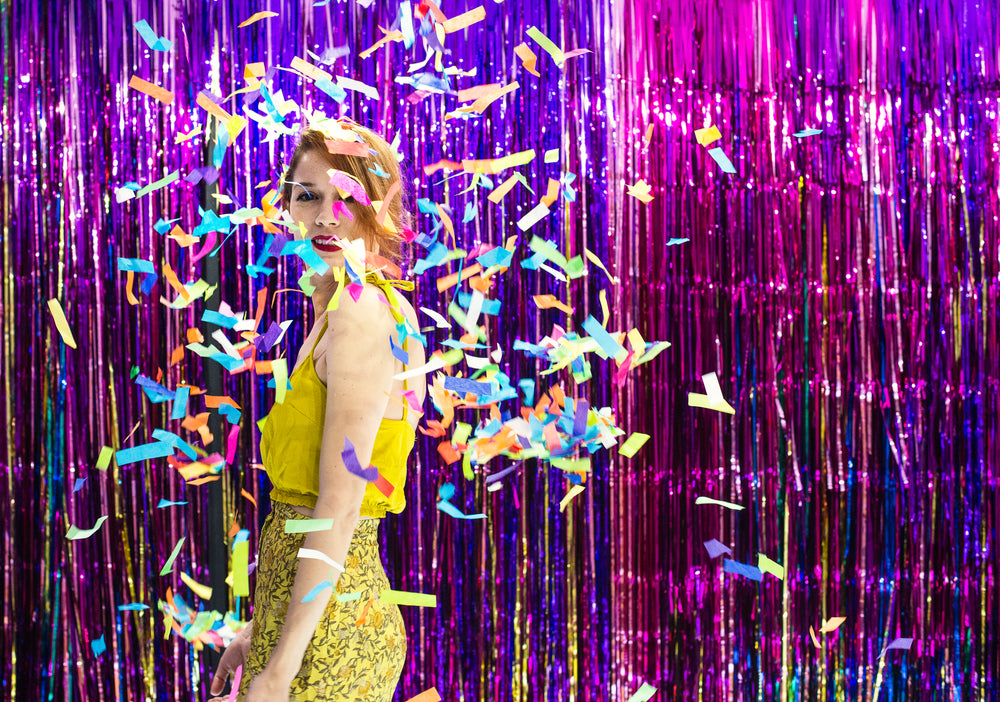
(98, 646)
(311, 595)
(747, 571)
(79, 484)
(167, 503)
(132, 607)
(463, 385)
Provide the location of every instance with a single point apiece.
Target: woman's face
(318, 205)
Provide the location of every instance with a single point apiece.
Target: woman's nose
(326, 217)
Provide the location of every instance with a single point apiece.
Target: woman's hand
(269, 686)
(232, 658)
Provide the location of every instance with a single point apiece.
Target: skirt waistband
(367, 526)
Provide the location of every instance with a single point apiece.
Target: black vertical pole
(215, 524)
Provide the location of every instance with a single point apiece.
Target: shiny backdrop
(844, 287)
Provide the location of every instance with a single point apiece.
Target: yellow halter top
(293, 434)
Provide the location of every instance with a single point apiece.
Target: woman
(342, 388)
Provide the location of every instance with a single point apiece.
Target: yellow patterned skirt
(346, 660)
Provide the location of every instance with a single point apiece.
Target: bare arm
(359, 375)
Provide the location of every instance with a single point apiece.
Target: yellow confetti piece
(482, 103)
(707, 135)
(640, 191)
(501, 190)
(596, 261)
(61, 324)
(573, 492)
(605, 312)
(721, 503)
(279, 367)
(256, 17)
(181, 138)
(203, 591)
(714, 399)
(637, 342)
(104, 458)
(309, 70)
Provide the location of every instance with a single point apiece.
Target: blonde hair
(314, 140)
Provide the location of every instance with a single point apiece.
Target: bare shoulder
(367, 313)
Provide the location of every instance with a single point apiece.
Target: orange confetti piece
(545, 302)
(448, 452)
(444, 164)
(202, 481)
(248, 496)
(482, 103)
(181, 237)
(194, 336)
(528, 58)
(206, 103)
(234, 529)
(476, 92)
(347, 148)
(151, 89)
(553, 192)
(383, 211)
(171, 277)
(450, 280)
(129, 283)
(430, 695)
(256, 17)
(213, 401)
(364, 613)
(464, 20)
(177, 355)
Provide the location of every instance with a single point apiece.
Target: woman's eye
(305, 197)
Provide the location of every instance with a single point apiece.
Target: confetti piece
(766, 565)
(716, 548)
(547, 44)
(675, 242)
(832, 624)
(98, 646)
(237, 678)
(808, 133)
(349, 596)
(202, 591)
(256, 17)
(413, 599)
(305, 526)
(144, 452)
(609, 346)
(167, 503)
(465, 19)
(902, 644)
(640, 191)
(79, 484)
(74, 534)
(168, 566)
(528, 58)
(430, 695)
(151, 89)
(320, 556)
(815, 641)
(721, 503)
(501, 190)
(707, 135)
(714, 399)
(747, 571)
(720, 158)
(310, 71)
(358, 87)
(439, 321)
(573, 492)
(161, 183)
(486, 100)
(153, 41)
(56, 310)
(133, 607)
(104, 457)
(546, 302)
(436, 363)
(633, 444)
(311, 595)
(644, 693)
(495, 165)
(279, 368)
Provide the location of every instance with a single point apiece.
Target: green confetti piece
(104, 458)
(552, 156)
(75, 534)
(303, 526)
(169, 565)
(349, 596)
(572, 464)
(633, 444)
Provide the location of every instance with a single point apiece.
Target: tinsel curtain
(843, 285)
